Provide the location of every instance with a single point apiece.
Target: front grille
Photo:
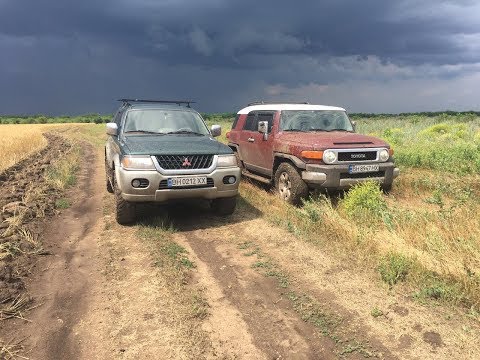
(357, 156)
(164, 185)
(363, 175)
(184, 162)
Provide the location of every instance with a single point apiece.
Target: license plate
(187, 181)
(354, 169)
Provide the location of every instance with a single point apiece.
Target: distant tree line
(101, 119)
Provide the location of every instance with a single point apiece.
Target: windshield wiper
(328, 130)
(184, 132)
(144, 132)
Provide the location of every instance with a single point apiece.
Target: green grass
(62, 203)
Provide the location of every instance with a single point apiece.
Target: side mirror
(263, 128)
(216, 130)
(354, 124)
(112, 129)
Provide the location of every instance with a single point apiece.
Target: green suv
(158, 151)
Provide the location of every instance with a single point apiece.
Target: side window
(265, 117)
(250, 123)
(235, 121)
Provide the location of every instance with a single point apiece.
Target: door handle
(251, 140)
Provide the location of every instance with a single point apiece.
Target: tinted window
(250, 123)
(235, 121)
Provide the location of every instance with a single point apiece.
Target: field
(404, 265)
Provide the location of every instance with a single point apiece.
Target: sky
(72, 57)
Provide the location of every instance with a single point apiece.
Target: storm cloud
(75, 57)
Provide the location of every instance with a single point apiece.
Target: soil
(269, 295)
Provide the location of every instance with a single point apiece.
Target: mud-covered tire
(224, 206)
(289, 184)
(125, 211)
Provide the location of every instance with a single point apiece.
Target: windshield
(156, 121)
(315, 120)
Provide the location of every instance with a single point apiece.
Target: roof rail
(178, 102)
(261, 102)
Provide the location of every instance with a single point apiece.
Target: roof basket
(261, 102)
(178, 102)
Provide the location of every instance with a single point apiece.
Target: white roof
(280, 107)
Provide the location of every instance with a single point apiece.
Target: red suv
(299, 146)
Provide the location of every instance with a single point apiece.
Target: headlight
(329, 157)
(383, 155)
(226, 161)
(137, 163)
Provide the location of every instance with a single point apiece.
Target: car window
(235, 121)
(164, 121)
(250, 123)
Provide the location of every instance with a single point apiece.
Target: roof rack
(178, 102)
(261, 102)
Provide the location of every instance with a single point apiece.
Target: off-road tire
(125, 211)
(224, 206)
(386, 188)
(239, 162)
(289, 184)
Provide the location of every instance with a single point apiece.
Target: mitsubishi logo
(186, 163)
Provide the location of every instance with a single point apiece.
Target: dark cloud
(75, 56)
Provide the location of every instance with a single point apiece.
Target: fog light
(229, 180)
(136, 183)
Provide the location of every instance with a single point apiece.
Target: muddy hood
(330, 140)
(174, 145)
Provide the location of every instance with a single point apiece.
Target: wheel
(125, 211)
(289, 184)
(224, 206)
(386, 188)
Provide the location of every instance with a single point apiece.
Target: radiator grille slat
(184, 162)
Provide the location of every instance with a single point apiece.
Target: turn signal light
(227, 134)
(316, 155)
(390, 152)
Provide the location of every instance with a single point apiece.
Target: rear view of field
(361, 275)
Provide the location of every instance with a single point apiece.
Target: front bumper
(337, 176)
(152, 193)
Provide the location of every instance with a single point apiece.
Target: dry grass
(18, 141)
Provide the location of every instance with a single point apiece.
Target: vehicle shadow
(195, 214)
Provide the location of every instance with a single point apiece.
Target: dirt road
(185, 284)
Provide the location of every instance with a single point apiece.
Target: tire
(125, 211)
(386, 188)
(239, 162)
(289, 184)
(224, 206)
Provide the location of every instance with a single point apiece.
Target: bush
(394, 267)
(365, 201)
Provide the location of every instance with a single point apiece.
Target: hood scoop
(353, 143)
